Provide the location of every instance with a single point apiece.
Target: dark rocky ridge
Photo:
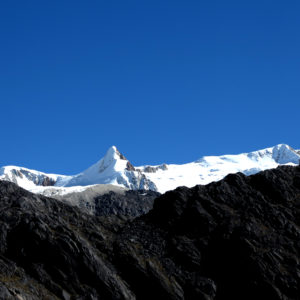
(125, 203)
(238, 238)
(131, 204)
(51, 250)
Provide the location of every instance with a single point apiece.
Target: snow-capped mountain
(115, 169)
(31, 179)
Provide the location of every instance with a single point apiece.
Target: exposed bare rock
(130, 167)
(233, 239)
(150, 169)
(47, 182)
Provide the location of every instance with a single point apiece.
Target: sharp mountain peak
(114, 168)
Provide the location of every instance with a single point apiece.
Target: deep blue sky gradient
(164, 81)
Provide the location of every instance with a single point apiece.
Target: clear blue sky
(164, 81)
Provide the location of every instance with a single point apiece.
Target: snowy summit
(116, 170)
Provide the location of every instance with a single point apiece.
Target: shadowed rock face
(118, 201)
(49, 249)
(234, 239)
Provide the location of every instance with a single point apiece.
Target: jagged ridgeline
(237, 238)
(115, 169)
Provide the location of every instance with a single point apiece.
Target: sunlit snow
(114, 169)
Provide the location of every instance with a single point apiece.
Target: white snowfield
(116, 170)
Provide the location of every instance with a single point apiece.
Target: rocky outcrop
(121, 155)
(117, 201)
(129, 166)
(46, 181)
(150, 169)
(233, 239)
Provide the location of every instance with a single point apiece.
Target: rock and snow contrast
(115, 169)
(235, 239)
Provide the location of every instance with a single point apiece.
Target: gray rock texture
(238, 238)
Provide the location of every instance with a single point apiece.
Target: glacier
(116, 170)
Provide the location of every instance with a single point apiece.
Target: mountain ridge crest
(114, 168)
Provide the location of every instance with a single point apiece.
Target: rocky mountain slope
(107, 200)
(237, 238)
(116, 170)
